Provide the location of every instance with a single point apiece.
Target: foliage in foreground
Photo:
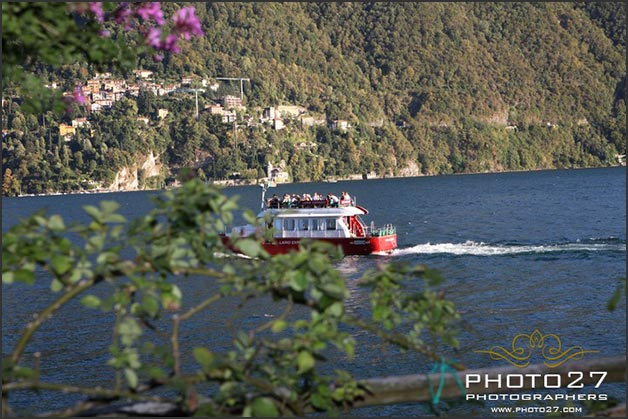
(277, 367)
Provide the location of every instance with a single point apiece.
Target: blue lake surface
(519, 251)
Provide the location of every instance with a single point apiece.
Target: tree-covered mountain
(428, 88)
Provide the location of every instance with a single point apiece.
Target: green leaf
(264, 407)
(90, 301)
(298, 281)
(129, 331)
(249, 247)
(305, 362)
(24, 372)
(131, 377)
(335, 309)
(612, 303)
(334, 290)
(93, 212)
(114, 218)
(109, 207)
(150, 305)
(156, 373)
(278, 326)
(8, 277)
(60, 264)
(204, 357)
(95, 243)
(56, 223)
(56, 285)
(320, 402)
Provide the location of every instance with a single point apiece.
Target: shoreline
(243, 182)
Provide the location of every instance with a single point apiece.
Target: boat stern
(383, 240)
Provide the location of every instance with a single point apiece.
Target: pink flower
(186, 22)
(153, 38)
(158, 58)
(122, 15)
(170, 44)
(78, 95)
(96, 9)
(151, 10)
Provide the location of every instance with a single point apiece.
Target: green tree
(10, 184)
(274, 367)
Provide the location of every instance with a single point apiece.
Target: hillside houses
(103, 90)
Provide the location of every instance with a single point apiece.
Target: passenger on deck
(295, 201)
(286, 201)
(318, 200)
(332, 200)
(273, 202)
(345, 199)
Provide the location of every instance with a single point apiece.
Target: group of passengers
(309, 201)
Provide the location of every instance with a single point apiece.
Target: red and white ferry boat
(338, 223)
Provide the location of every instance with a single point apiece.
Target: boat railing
(386, 230)
(314, 203)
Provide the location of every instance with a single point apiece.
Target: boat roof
(326, 212)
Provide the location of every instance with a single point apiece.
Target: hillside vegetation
(428, 88)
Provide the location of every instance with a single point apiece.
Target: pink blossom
(158, 58)
(170, 44)
(151, 10)
(78, 95)
(153, 38)
(96, 9)
(187, 23)
(122, 15)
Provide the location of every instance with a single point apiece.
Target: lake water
(519, 251)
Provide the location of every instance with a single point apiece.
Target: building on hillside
(277, 174)
(66, 131)
(229, 117)
(164, 90)
(269, 114)
(215, 109)
(143, 73)
(290, 111)
(94, 107)
(115, 86)
(278, 124)
(79, 122)
(340, 124)
(311, 120)
(93, 86)
(232, 102)
(133, 90)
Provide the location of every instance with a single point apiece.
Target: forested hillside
(427, 88)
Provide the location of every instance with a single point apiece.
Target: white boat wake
(482, 249)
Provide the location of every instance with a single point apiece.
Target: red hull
(350, 246)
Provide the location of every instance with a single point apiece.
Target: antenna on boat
(265, 187)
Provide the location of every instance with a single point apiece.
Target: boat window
(318, 224)
(278, 224)
(304, 224)
(331, 223)
(288, 224)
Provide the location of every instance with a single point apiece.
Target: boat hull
(350, 246)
